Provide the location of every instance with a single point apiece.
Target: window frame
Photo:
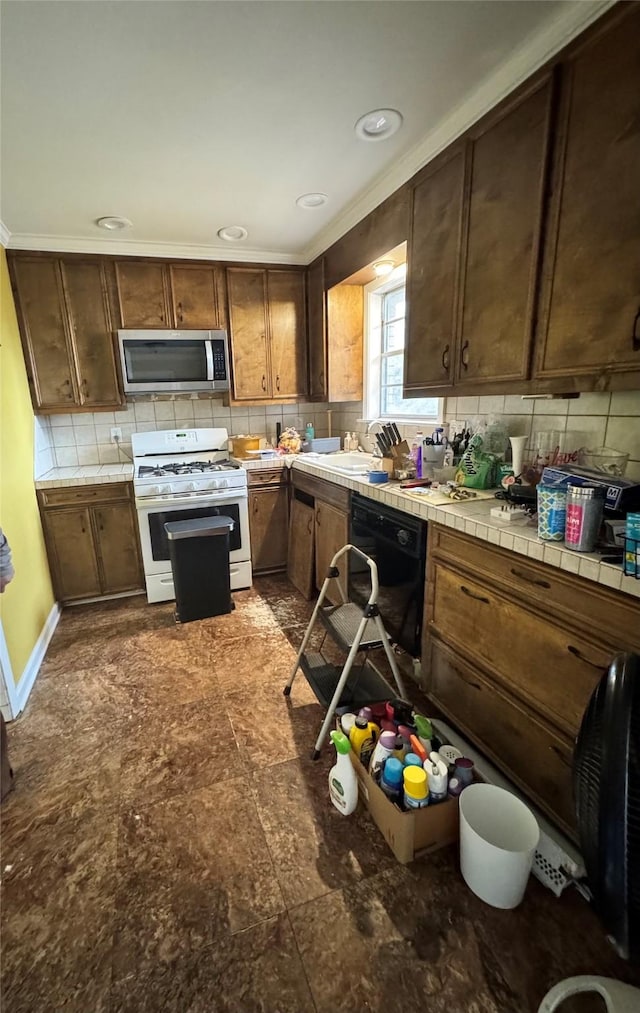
(373, 359)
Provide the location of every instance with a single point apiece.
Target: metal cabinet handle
(318, 516)
(531, 580)
(445, 357)
(99, 520)
(560, 754)
(578, 654)
(635, 336)
(476, 597)
(464, 355)
(264, 382)
(278, 382)
(310, 526)
(179, 314)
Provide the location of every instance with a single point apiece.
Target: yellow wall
(28, 599)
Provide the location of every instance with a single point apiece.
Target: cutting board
(437, 498)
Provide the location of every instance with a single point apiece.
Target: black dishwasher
(398, 544)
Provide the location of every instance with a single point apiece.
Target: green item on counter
(423, 725)
(477, 469)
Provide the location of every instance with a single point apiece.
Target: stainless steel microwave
(160, 362)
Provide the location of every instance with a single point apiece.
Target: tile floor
(169, 845)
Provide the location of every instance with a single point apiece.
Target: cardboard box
(408, 834)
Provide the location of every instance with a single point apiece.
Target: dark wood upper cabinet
(86, 292)
(591, 277)
(506, 179)
(345, 335)
(39, 295)
(143, 293)
(198, 297)
(66, 326)
(316, 325)
(268, 333)
(288, 331)
(432, 274)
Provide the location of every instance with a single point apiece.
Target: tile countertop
(473, 517)
(86, 474)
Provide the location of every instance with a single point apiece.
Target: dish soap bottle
(309, 432)
(343, 784)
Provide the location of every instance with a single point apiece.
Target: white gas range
(180, 474)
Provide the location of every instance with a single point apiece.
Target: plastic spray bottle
(343, 784)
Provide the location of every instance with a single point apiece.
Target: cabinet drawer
(581, 601)
(322, 489)
(72, 494)
(524, 748)
(275, 476)
(545, 665)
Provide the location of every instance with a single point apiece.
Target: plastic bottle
(347, 721)
(411, 760)
(346, 443)
(310, 431)
(383, 750)
(363, 737)
(343, 783)
(438, 773)
(416, 795)
(391, 779)
(425, 731)
(366, 712)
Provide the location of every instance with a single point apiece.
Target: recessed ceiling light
(113, 223)
(312, 200)
(233, 233)
(378, 124)
(383, 267)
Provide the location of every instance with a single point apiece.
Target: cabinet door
(143, 294)
(74, 566)
(316, 330)
(91, 328)
(345, 323)
(268, 523)
(332, 533)
(248, 329)
(432, 277)
(288, 333)
(118, 554)
(195, 296)
(591, 276)
(43, 328)
(507, 172)
(300, 557)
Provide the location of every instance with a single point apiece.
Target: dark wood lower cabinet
(512, 651)
(268, 520)
(91, 533)
(332, 532)
(301, 557)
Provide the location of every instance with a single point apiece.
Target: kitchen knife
(385, 440)
(381, 443)
(396, 433)
(388, 432)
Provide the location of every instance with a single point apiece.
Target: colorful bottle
(416, 795)
(425, 731)
(383, 749)
(366, 712)
(363, 737)
(391, 779)
(343, 783)
(310, 431)
(412, 760)
(347, 721)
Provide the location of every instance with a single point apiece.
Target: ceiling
(189, 116)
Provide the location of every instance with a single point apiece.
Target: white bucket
(498, 838)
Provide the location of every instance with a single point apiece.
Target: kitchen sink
(349, 463)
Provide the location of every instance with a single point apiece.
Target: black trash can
(199, 552)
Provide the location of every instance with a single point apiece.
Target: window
(384, 355)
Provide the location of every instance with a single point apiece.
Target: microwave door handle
(208, 347)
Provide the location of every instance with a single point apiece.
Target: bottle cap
(388, 740)
(412, 760)
(361, 722)
(341, 742)
(425, 731)
(415, 782)
(392, 772)
(365, 712)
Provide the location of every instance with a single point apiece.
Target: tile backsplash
(611, 420)
(85, 438)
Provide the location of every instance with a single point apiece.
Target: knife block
(400, 450)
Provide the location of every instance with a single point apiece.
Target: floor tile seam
(302, 963)
(178, 793)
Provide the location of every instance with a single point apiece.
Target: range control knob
(153, 490)
(224, 483)
(403, 537)
(164, 490)
(212, 485)
(190, 486)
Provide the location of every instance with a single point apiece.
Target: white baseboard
(19, 694)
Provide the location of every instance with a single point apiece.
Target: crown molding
(524, 61)
(133, 248)
(5, 235)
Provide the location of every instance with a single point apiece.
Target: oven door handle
(189, 501)
(208, 347)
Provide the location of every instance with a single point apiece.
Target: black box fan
(606, 779)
